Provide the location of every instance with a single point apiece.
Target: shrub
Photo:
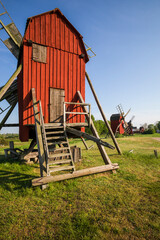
(3, 141)
(150, 131)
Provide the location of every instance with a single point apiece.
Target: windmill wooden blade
(7, 86)
(125, 123)
(118, 127)
(11, 94)
(132, 118)
(127, 112)
(14, 39)
(120, 110)
(13, 42)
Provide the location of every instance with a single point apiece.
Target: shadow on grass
(13, 180)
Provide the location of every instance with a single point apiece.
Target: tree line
(100, 127)
(103, 130)
(152, 128)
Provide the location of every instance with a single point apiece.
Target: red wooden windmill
(49, 86)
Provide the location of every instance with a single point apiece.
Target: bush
(150, 131)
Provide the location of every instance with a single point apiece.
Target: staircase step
(59, 162)
(62, 168)
(59, 155)
(58, 142)
(55, 132)
(60, 149)
(56, 137)
(50, 126)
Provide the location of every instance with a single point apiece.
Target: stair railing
(43, 133)
(76, 113)
(38, 116)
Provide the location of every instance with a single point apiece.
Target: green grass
(124, 205)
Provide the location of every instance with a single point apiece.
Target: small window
(39, 53)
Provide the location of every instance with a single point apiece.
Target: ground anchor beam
(75, 174)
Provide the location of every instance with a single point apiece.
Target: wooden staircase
(52, 141)
(54, 150)
(59, 153)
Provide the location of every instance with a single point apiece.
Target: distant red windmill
(119, 124)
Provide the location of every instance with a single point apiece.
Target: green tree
(151, 129)
(158, 125)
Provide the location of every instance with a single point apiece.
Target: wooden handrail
(41, 150)
(77, 113)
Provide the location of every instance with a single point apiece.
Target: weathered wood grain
(75, 174)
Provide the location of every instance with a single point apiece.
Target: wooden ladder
(59, 157)
(52, 141)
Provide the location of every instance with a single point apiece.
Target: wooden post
(6, 153)
(11, 146)
(76, 153)
(103, 115)
(155, 153)
(95, 133)
(85, 144)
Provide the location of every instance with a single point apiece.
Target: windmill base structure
(49, 86)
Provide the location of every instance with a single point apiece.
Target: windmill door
(57, 98)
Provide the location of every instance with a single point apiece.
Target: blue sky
(124, 34)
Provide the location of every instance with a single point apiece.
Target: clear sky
(124, 34)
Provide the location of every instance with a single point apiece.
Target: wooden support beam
(7, 115)
(85, 144)
(89, 137)
(10, 81)
(11, 125)
(75, 174)
(95, 133)
(41, 150)
(11, 146)
(29, 150)
(103, 115)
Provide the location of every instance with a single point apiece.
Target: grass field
(124, 205)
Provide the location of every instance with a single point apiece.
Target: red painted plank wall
(115, 124)
(52, 29)
(64, 68)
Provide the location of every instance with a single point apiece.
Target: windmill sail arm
(10, 81)
(9, 32)
(127, 112)
(7, 115)
(14, 39)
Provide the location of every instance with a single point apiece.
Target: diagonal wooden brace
(95, 133)
(103, 115)
(89, 137)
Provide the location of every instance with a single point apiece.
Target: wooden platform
(78, 125)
